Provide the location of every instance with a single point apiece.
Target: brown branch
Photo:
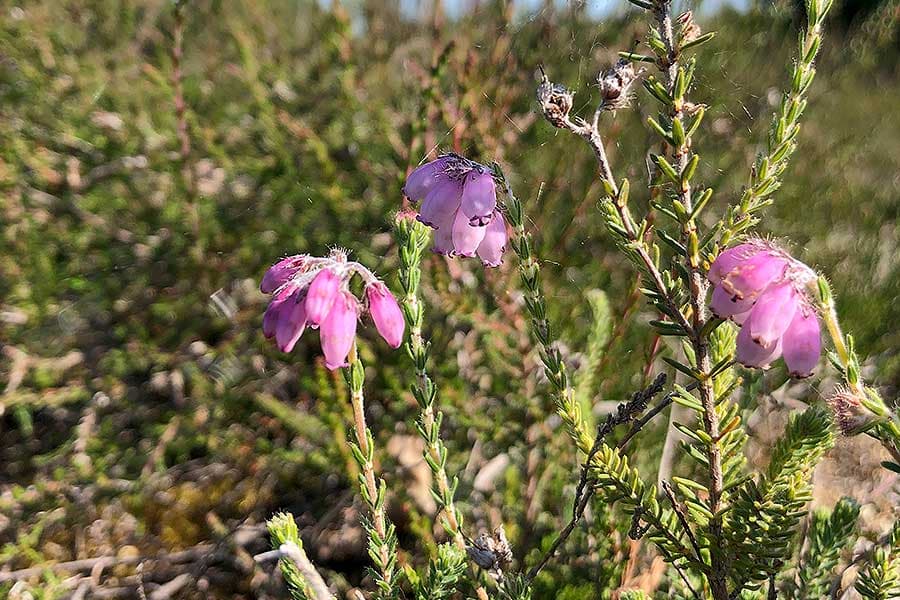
(626, 412)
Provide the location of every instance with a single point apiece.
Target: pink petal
(466, 238)
(491, 248)
(386, 314)
(321, 296)
(291, 325)
(443, 234)
(751, 277)
(725, 305)
(278, 308)
(772, 314)
(729, 259)
(421, 180)
(802, 343)
(751, 354)
(479, 197)
(279, 273)
(338, 331)
(440, 203)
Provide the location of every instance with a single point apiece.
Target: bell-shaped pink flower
(802, 343)
(752, 354)
(725, 305)
(772, 314)
(291, 324)
(279, 273)
(491, 248)
(729, 259)
(279, 307)
(441, 203)
(443, 236)
(338, 330)
(764, 290)
(466, 237)
(424, 178)
(386, 313)
(479, 197)
(322, 293)
(459, 201)
(751, 277)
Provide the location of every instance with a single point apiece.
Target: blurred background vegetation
(143, 413)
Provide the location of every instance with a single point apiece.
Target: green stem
(381, 533)
(413, 238)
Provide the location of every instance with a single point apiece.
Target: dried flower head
(315, 292)
(491, 551)
(555, 101)
(765, 290)
(459, 201)
(850, 411)
(615, 85)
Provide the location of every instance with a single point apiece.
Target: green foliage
(514, 587)
(830, 533)
(301, 127)
(282, 530)
(597, 339)
(761, 526)
(441, 579)
(880, 580)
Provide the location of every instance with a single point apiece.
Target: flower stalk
(413, 238)
(381, 534)
(886, 424)
(677, 80)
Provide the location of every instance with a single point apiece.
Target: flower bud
(386, 314)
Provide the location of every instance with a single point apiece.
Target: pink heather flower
(772, 314)
(491, 248)
(279, 273)
(307, 286)
(802, 343)
(479, 198)
(420, 181)
(338, 330)
(278, 307)
(466, 237)
(291, 324)
(386, 313)
(459, 201)
(753, 354)
(764, 290)
(321, 295)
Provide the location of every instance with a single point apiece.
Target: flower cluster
(764, 290)
(315, 292)
(459, 201)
